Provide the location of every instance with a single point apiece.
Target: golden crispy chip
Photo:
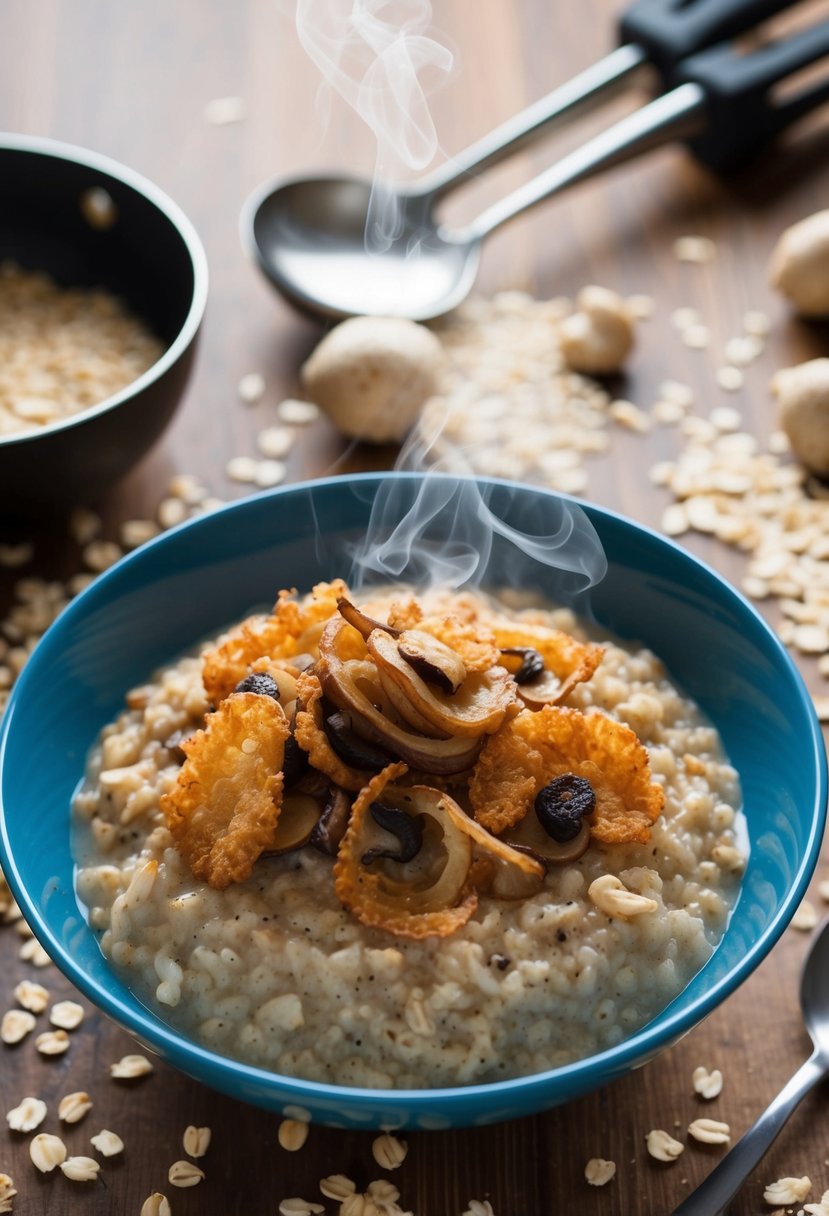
(568, 659)
(557, 740)
(292, 628)
(473, 641)
(405, 614)
(311, 737)
(383, 903)
(224, 807)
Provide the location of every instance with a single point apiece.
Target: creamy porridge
(377, 967)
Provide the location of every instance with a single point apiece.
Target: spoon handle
(714, 1195)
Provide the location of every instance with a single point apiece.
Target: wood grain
(132, 81)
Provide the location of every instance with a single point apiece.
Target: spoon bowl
(309, 237)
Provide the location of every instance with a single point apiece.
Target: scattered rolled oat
(805, 918)
(27, 1116)
(757, 323)
(156, 1205)
(697, 337)
(818, 1209)
(31, 996)
(16, 1024)
(196, 1140)
(73, 1107)
(297, 413)
(641, 307)
(47, 1152)
(662, 1146)
(707, 1084)
(300, 1207)
(710, 1131)
(80, 1169)
(599, 1172)
(171, 511)
(252, 387)
(787, 1190)
(84, 525)
(16, 555)
(730, 378)
(276, 441)
(107, 1143)
(32, 952)
(66, 1014)
(184, 1174)
(99, 555)
(611, 896)
(337, 1186)
(270, 473)
(823, 891)
(130, 1067)
(52, 1042)
(7, 1192)
(696, 249)
(135, 532)
(292, 1134)
(222, 111)
(478, 1207)
(389, 1152)
(242, 468)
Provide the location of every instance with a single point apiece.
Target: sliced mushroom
(359, 621)
(295, 762)
(260, 682)
(531, 663)
(547, 689)
(353, 686)
(332, 823)
(557, 830)
(297, 820)
(350, 747)
(434, 661)
(405, 828)
(477, 708)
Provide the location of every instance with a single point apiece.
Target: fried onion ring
(535, 747)
(223, 810)
(311, 737)
(569, 660)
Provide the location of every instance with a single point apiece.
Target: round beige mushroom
(799, 267)
(597, 338)
(803, 400)
(372, 375)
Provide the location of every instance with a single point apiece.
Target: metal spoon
(715, 1194)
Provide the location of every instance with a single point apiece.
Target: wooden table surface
(132, 81)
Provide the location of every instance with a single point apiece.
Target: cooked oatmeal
(275, 971)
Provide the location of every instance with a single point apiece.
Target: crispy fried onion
(354, 687)
(533, 748)
(223, 810)
(292, 628)
(567, 661)
(433, 893)
(311, 737)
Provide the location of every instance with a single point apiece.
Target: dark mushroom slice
(434, 661)
(531, 665)
(261, 683)
(332, 823)
(359, 621)
(406, 829)
(295, 763)
(350, 747)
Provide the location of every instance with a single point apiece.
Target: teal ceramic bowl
(192, 581)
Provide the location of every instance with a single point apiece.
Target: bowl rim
(38, 145)
(223, 1070)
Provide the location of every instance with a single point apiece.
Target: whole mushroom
(803, 399)
(597, 338)
(372, 375)
(800, 265)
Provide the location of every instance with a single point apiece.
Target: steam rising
(378, 56)
(450, 531)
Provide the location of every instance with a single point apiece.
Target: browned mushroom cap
(359, 621)
(332, 823)
(434, 661)
(354, 687)
(479, 706)
(297, 820)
